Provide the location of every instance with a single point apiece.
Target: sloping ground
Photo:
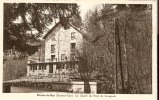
(14, 69)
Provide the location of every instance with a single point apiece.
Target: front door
(51, 68)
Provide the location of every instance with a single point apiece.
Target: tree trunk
(126, 65)
(115, 62)
(120, 58)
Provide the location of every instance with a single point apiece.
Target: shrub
(13, 69)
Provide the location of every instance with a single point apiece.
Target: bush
(14, 69)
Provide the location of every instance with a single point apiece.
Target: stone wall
(61, 38)
(78, 87)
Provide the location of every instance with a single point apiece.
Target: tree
(23, 24)
(14, 69)
(32, 17)
(135, 35)
(101, 47)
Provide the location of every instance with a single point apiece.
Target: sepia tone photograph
(77, 48)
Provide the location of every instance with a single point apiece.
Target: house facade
(59, 54)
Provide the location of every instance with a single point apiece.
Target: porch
(57, 71)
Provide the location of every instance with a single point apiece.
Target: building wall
(42, 51)
(62, 43)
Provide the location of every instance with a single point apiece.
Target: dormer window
(52, 48)
(73, 35)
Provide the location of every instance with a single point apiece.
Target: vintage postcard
(68, 49)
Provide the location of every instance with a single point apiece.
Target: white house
(60, 54)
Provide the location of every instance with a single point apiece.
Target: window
(52, 48)
(73, 35)
(62, 57)
(51, 68)
(35, 67)
(73, 46)
(44, 67)
(62, 66)
(40, 67)
(68, 66)
(31, 68)
(53, 38)
(73, 57)
(52, 57)
(72, 65)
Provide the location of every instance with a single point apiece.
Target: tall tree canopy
(135, 34)
(23, 18)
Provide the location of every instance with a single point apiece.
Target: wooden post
(120, 58)
(39, 52)
(127, 68)
(58, 56)
(115, 59)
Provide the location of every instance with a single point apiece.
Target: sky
(84, 8)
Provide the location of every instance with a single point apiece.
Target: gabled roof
(51, 30)
(58, 25)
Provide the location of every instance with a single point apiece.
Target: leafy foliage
(21, 19)
(135, 31)
(14, 69)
